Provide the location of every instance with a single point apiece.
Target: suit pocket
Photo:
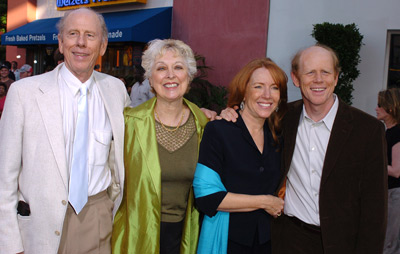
(22, 219)
(25, 227)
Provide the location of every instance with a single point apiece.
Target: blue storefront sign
(138, 25)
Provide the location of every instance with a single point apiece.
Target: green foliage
(203, 93)
(3, 16)
(3, 25)
(346, 40)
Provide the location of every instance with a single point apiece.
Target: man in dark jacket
(334, 167)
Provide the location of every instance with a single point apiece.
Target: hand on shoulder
(229, 114)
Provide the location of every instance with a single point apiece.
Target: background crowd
(9, 73)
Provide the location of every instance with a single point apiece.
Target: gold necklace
(165, 128)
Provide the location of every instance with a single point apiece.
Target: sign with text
(74, 4)
(137, 25)
(48, 38)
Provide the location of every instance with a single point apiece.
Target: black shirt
(392, 138)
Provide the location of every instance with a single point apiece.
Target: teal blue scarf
(214, 231)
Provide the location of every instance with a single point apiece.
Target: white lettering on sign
(41, 37)
(10, 38)
(65, 3)
(116, 34)
(22, 37)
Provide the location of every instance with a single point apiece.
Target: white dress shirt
(304, 175)
(100, 132)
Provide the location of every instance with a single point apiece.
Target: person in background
(4, 75)
(141, 90)
(122, 79)
(10, 73)
(128, 85)
(58, 57)
(15, 70)
(25, 71)
(388, 111)
(14, 66)
(3, 93)
(245, 158)
(49, 68)
(61, 149)
(162, 136)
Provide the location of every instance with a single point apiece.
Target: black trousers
(297, 237)
(170, 237)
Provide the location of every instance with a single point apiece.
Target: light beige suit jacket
(33, 164)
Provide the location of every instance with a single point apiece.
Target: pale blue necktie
(78, 185)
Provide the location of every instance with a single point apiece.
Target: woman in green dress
(162, 139)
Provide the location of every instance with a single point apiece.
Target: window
(393, 77)
(120, 59)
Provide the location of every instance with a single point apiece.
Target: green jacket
(137, 222)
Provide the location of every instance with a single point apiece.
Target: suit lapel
(114, 111)
(340, 133)
(106, 95)
(291, 124)
(50, 109)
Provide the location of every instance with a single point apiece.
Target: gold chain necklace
(165, 128)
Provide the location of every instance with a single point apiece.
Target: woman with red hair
(239, 164)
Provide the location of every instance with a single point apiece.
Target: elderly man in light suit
(37, 132)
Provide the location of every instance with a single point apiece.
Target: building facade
(228, 33)
(291, 24)
(131, 24)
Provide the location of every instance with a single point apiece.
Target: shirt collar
(73, 83)
(329, 119)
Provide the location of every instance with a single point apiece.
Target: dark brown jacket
(353, 190)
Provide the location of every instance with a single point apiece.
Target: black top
(229, 149)
(392, 138)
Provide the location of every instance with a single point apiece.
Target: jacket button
(57, 233)
(64, 202)
(261, 169)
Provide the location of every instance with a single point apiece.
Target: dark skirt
(256, 248)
